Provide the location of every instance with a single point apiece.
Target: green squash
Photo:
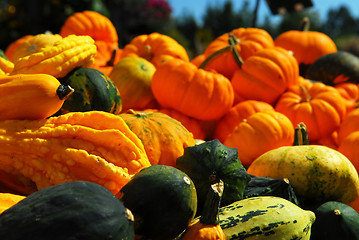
(93, 91)
(335, 68)
(76, 210)
(335, 220)
(210, 162)
(163, 201)
(265, 186)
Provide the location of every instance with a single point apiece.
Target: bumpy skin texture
(7, 200)
(317, 173)
(93, 146)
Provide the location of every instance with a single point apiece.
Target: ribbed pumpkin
(349, 148)
(237, 114)
(195, 92)
(247, 42)
(164, 138)
(261, 132)
(156, 48)
(10, 49)
(307, 46)
(320, 107)
(349, 125)
(266, 75)
(350, 93)
(54, 55)
(132, 77)
(99, 28)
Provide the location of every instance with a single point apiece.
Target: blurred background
(193, 23)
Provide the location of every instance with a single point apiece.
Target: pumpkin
(307, 46)
(192, 124)
(8, 200)
(93, 91)
(99, 28)
(261, 132)
(348, 146)
(207, 226)
(317, 173)
(91, 146)
(156, 48)
(335, 68)
(53, 55)
(266, 75)
(247, 41)
(198, 59)
(349, 125)
(208, 163)
(350, 93)
(31, 96)
(163, 201)
(72, 210)
(164, 138)
(10, 49)
(6, 66)
(132, 77)
(195, 92)
(320, 107)
(237, 114)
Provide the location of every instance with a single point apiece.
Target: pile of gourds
(77, 108)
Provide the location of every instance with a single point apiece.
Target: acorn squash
(71, 210)
(93, 91)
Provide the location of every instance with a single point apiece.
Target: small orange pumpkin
(247, 42)
(349, 125)
(350, 93)
(237, 114)
(261, 132)
(195, 92)
(265, 75)
(163, 137)
(320, 107)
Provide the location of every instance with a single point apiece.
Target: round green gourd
(163, 201)
(209, 162)
(76, 210)
(335, 220)
(93, 91)
(335, 68)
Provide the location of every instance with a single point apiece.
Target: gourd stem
(64, 91)
(304, 25)
(212, 56)
(111, 62)
(301, 135)
(211, 205)
(305, 94)
(233, 42)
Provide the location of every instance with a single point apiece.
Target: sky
(198, 7)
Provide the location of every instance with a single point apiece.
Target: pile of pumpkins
(79, 114)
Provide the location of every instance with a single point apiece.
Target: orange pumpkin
(350, 93)
(197, 93)
(266, 75)
(156, 48)
(163, 137)
(349, 125)
(247, 42)
(349, 148)
(237, 114)
(198, 60)
(320, 107)
(261, 132)
(306, 45)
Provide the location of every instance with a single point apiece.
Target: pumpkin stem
(232, 46)
(304, 24)
(111, 62)
(301, 135)
(148, 55)
(64, 91)
(305, 93)
(211, 205)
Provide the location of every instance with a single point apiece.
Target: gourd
(164, 138)
(176, 83)
(210, 162)
(51, 54)
(10, 49)
(335, 68)
(265, 217)
(246, 41)
(265, 186)
(6, 66)
(317, 173)
(93, 91)
(163, 201)
(92, 146)
(132, 77)
(207, 227)
(335, 220)
(7, 200)
(31, 96)
(73, 210)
